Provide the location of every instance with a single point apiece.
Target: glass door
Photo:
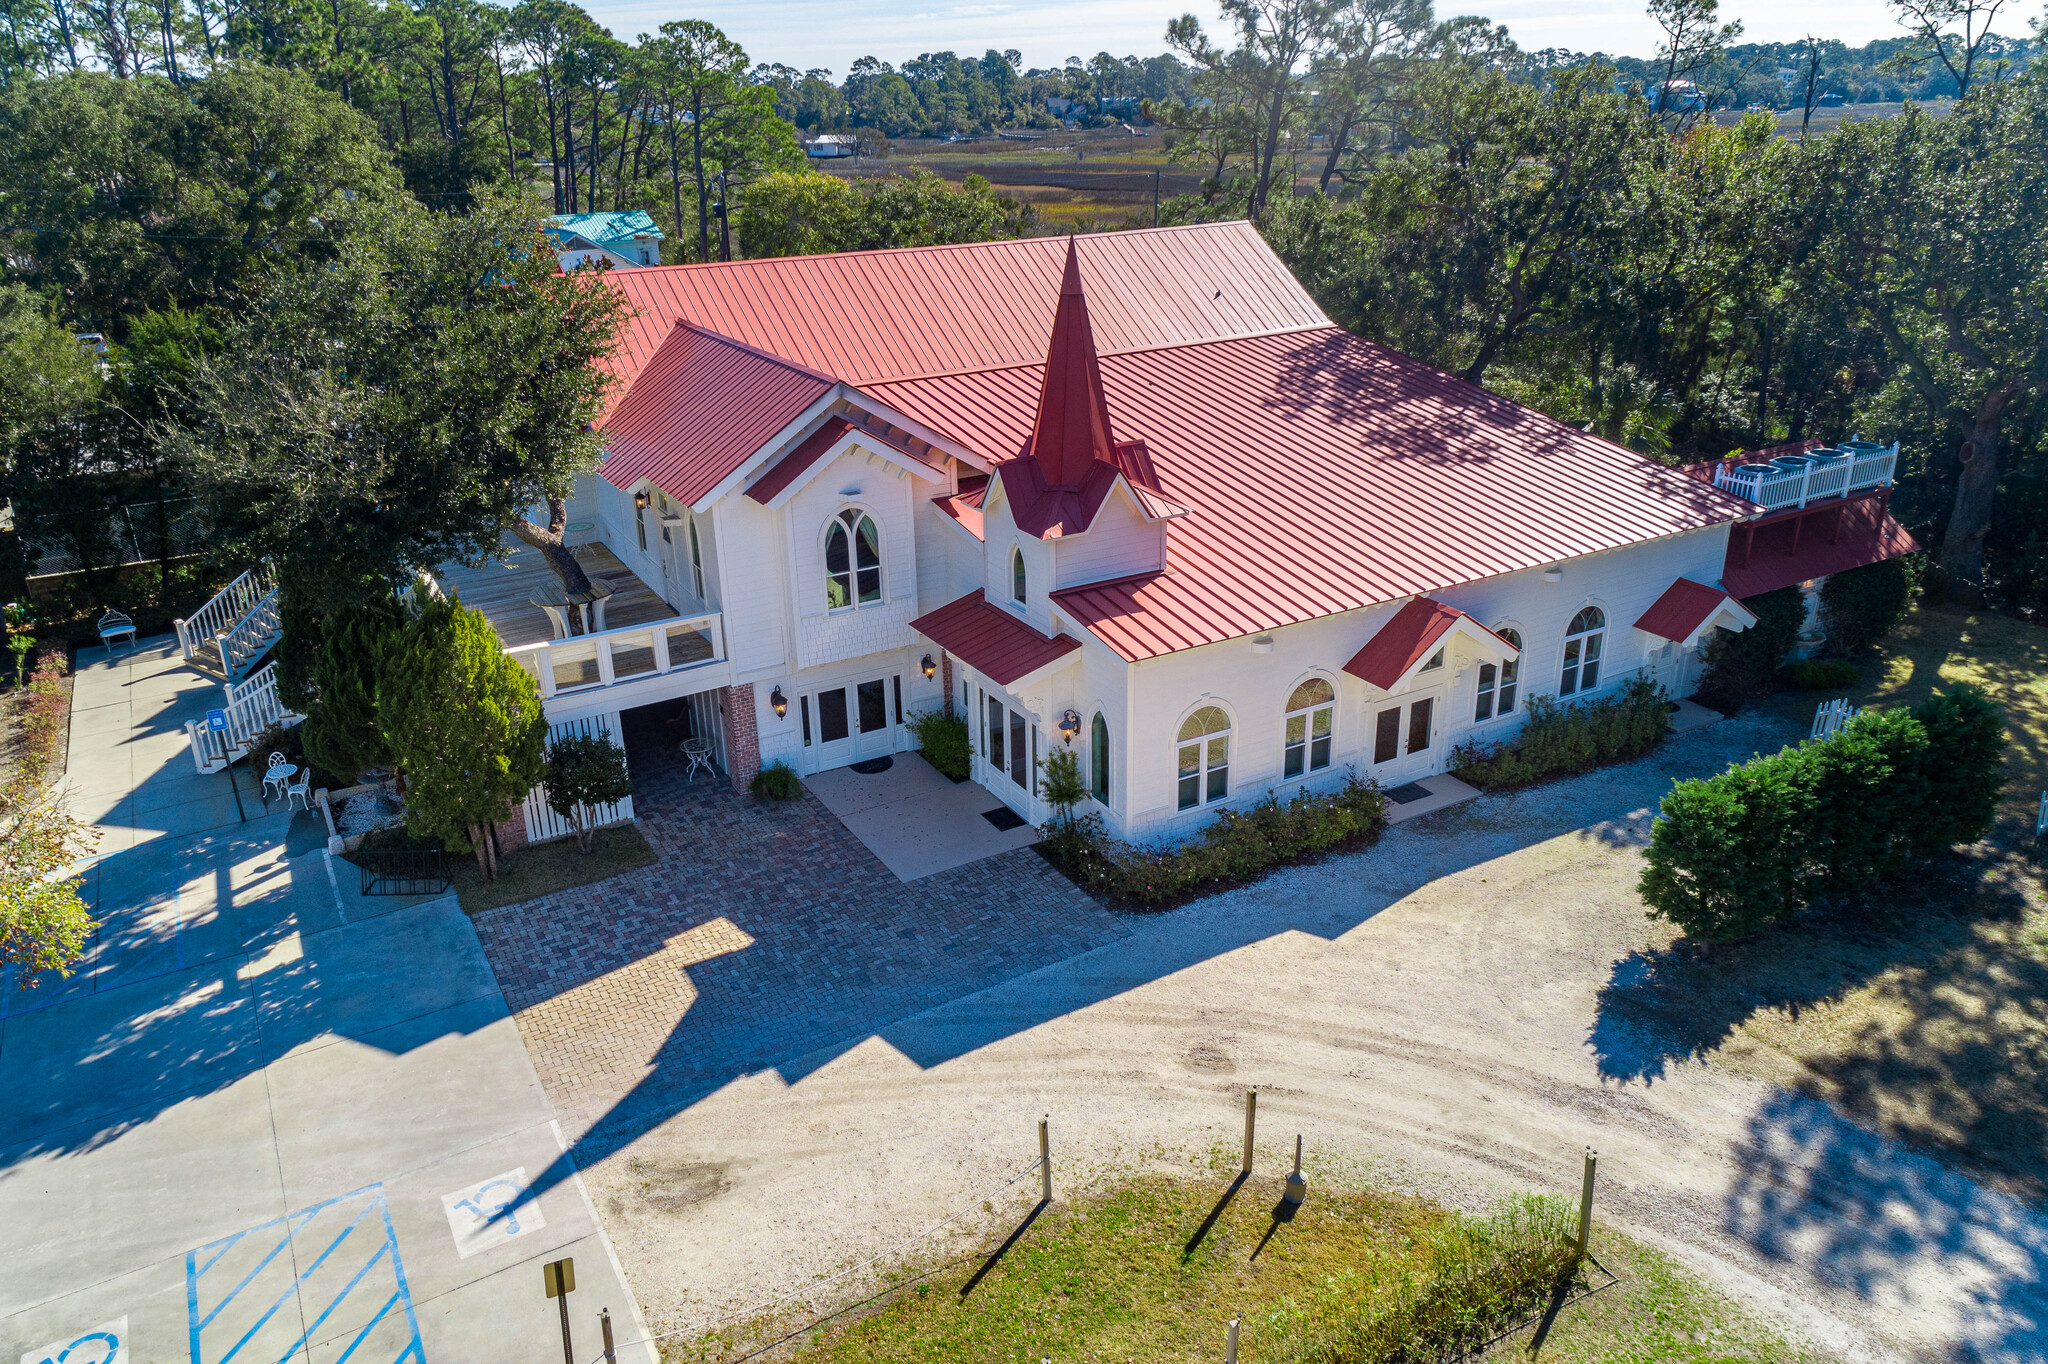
(871, 711)
(1404, 737)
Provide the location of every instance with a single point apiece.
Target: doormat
(1409, 794)
(874, 765)
(1004, 818)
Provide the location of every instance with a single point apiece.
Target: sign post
(217, 724)
(560, 1278)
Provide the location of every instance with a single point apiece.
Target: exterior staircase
(236, 628)
(253, 709)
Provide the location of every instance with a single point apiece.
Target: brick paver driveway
(765, 933)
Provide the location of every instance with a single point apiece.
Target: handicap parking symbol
(106, 1343)
(487, 1214)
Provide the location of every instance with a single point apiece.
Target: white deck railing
(225, 609)
(1800, 480)
(253, 708)
(626, 654)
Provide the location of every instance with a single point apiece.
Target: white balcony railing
(1798, 480)
(627, 654)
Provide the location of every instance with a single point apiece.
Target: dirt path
(1430, 1009)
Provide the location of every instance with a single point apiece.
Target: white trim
(873, 448)
(800, 427)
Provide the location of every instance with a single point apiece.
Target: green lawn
(1122, 1276)
(543, 868)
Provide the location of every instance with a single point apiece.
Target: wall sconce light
(930, 668)
(779, 701)
(1553, 575)
(1070, 725)
(640, 500)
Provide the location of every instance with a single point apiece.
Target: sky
(833, 33)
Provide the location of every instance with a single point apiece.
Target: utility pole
(1155, 198)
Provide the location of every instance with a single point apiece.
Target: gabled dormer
(1076, 504)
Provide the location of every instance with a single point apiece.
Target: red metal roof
(701, 405)
(965, 506)
(994, 642)
(871, 315)
(1678, 613)
(1327, 474)
(808, 452)
(1409, 638)
(1791, 549)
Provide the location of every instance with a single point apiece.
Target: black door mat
(874, 765)
(1410, 793)
(1004, 818)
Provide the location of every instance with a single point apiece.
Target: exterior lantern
(928, 666)
(779, 701)
(1070, 725)
(640, 500)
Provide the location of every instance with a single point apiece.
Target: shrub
(1860, 606)
(1237, 846)
(1822, 674)
(776, 781)
(1734, 853)
(42, 720)
(942, 738)
(583, 772)
(1560, 740)
(1743, 665)
(341, 714)
(1060, 783)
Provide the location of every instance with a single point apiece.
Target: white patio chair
(557, 620)
(276, 773)
(593, 616)
(115, 625)
(300, 790)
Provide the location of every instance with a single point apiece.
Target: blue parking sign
(217, 721)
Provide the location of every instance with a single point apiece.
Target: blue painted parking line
(343, 1257)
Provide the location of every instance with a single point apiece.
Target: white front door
(670, 588)
(1403, 732)
(1009, 751)
(856, 721)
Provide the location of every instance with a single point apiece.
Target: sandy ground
(1428, 1011)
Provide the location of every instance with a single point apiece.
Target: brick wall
(742, 735)
(512, 832)
(946, 679)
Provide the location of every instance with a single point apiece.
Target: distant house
(625, 239)
(828, 145)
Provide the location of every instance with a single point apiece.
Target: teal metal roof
(603, 229)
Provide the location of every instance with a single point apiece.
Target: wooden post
(1230, 1342)
(1251, 1119)
(1586, 1202)
(1045, 1159)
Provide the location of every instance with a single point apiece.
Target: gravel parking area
(1429, 1010)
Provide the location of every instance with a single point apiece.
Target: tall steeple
(1071, 433)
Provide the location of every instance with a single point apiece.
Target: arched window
(1204, 757)
(1582, 640)
(1098, 759)
(1311, 716)
(1017, 575)
(1497, 685)
(853, 561)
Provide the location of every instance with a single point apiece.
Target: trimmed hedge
(1735, 853)
(942, 738)
(776, 781)
(1559, 740)
(1237, 847)
(1860, 606)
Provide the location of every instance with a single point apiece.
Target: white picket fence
(253, 706)
(237, 624)
(542, 823)
(1832, 715)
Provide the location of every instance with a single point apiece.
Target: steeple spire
(1072, 430)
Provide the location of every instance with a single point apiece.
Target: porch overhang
(1399, 648)
(1800, 545)
(994, 642)
(1689, 610)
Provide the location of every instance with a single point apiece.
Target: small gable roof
(992, 641)
(1411, 636)
(1685, 607)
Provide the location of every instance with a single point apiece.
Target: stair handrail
(224, 608)
(250, 636)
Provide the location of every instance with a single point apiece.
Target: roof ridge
(934, 247)
(1107, 354)
(797, 365)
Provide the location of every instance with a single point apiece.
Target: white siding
(1119, 543)
(753, 577)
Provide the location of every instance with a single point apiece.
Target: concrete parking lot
(270, 1118)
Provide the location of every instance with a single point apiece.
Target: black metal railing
(402, 871)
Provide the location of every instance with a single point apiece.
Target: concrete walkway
(269, 1118)
(915, 820)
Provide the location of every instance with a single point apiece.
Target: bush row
(1237, 847)
(1467, 1279)
(1737, 852)
(42, 721)
(1560, 740)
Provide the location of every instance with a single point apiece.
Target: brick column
(946, 677)
(742, 736)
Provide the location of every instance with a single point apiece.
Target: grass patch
(544, 868)
(1356, 1276)
(1924, 1016)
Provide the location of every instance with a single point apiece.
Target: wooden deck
(503, 590)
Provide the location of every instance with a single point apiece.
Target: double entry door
(853, 722)
(1404, 734)
(1009, 753)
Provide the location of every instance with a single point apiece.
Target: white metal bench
(114, 625)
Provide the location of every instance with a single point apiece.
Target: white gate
(542, 823)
